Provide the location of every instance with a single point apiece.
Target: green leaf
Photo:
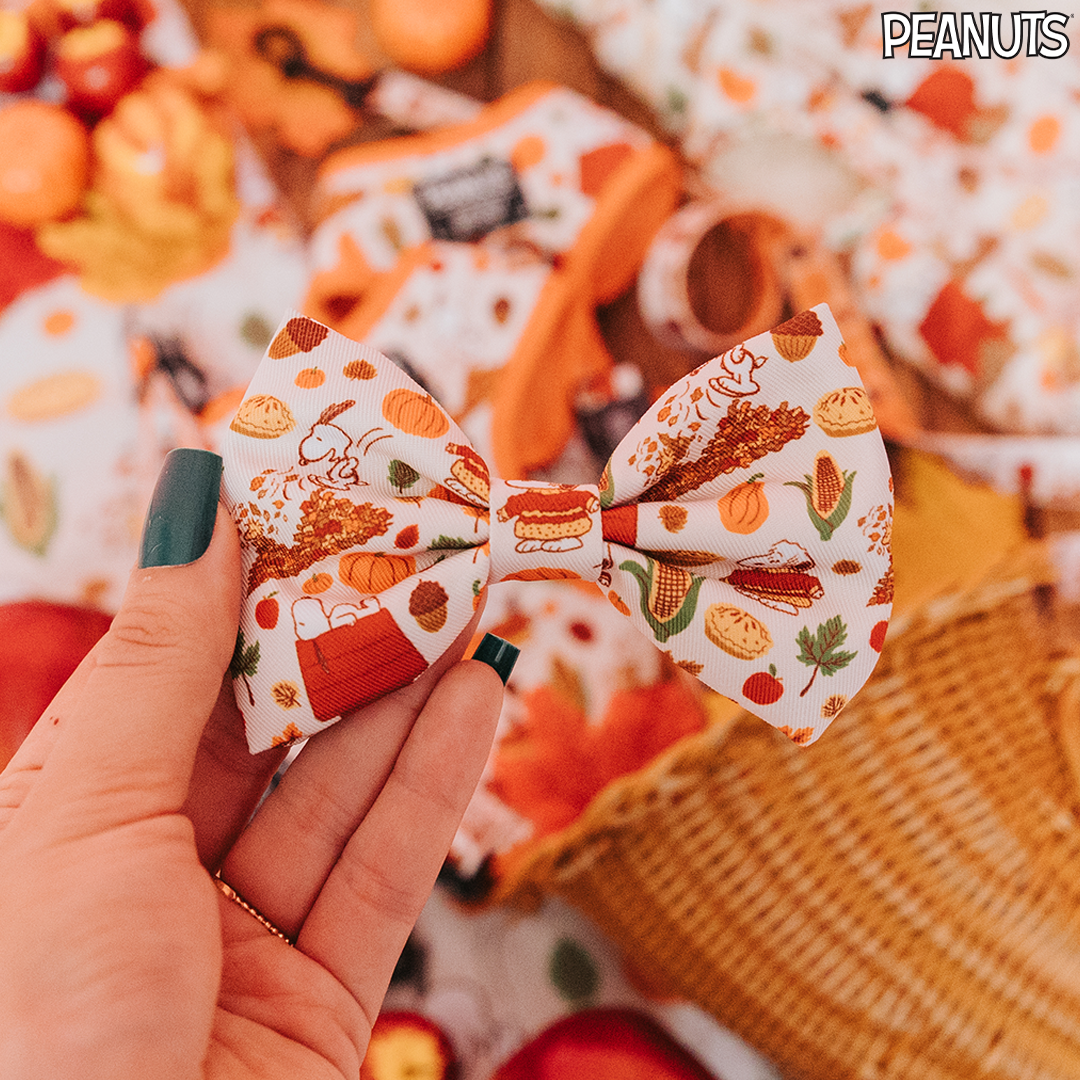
(245, 660)
(402, 475)
(450, 542)
(821, 650)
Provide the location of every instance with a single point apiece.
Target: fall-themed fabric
(128, 327)
(958, 176)
(475, 255)
(753, 490)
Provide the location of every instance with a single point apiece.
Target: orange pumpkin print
(317, 583)
(415, 414)
(309, 378)
(374, 573)
(744, 508)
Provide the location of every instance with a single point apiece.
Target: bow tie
(743, 524)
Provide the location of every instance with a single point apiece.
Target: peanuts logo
(930, 35)
(550, 518)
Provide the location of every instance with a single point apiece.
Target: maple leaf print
(821, 650)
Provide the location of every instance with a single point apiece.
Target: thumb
(127, 738)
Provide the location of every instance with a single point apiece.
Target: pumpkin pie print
(844, 412)
(737, 632)
(263, 416)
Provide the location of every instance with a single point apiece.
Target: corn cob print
(668, 595)
(828, 493)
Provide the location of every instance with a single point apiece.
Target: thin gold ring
(233, 895)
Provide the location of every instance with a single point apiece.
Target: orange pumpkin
(744, 508)
(415, 414)
(309, 378)
(317, 583)
(372, 573)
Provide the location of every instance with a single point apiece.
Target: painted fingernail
(497, 654)
(180, 520)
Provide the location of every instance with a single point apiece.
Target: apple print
(266, 612)
(763, 687)
(877, 636)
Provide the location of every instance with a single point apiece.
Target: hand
(119, 956)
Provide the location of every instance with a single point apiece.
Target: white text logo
(931, 35)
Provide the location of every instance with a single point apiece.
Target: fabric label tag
(468, 203)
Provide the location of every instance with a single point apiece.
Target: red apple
(22, 53)
(98, 64)
(406, 1045)
(603, 1044)
(763, 687)
(266, 612)
(41, 644)
(55, 17)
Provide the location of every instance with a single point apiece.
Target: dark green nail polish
(497, 654)
(180, 520)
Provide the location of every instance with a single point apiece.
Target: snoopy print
(737, 379)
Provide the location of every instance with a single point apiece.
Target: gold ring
(233, 895)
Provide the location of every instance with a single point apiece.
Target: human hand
(119, 956)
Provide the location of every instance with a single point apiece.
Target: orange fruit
(44, 162)
(431, 36)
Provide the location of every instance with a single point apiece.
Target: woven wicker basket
(901, 899)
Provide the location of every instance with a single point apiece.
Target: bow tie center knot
(541, 530)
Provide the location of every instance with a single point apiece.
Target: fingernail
(497, 654)
(180, 520)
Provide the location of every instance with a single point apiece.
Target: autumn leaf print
(244, 662)
(820, 650)
(402, 475)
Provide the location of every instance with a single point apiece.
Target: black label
(469, 203)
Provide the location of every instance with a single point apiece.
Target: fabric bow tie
(743, 524)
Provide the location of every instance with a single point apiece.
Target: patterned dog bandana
(743, 524)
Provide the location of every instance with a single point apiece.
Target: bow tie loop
(541, 530)
(743, 525)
